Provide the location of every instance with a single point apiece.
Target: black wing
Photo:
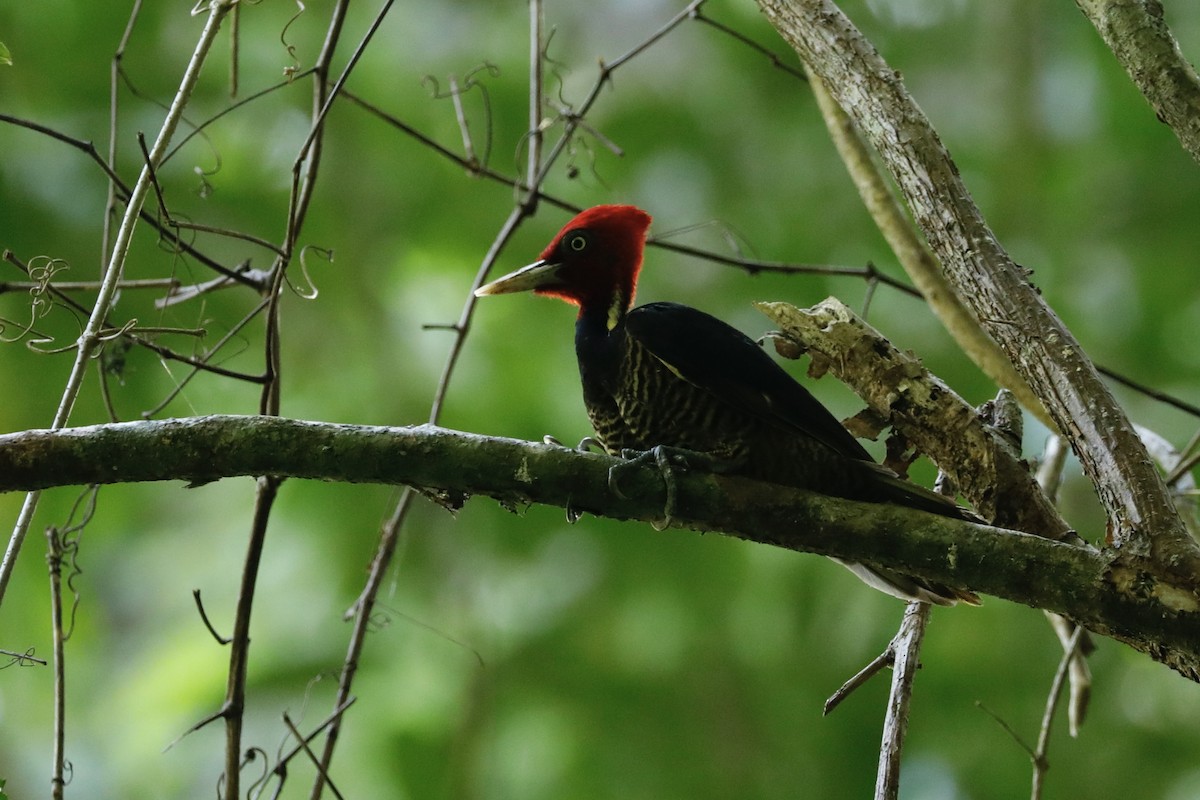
(717, 357)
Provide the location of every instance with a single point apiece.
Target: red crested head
(593, 262)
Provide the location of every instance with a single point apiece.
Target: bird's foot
(668, 460)
(586, 444)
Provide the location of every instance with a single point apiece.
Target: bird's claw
(585, 446)
(667, 459)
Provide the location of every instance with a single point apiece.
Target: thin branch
(322, 771)
(1150, 391)
(304, 170)
(906, 647)
(239, 646)
(221, 640)
(1070, 636)
(21, 658)
(533, 158)
(280, 768)
(873, 668)
(1038, 756)
(91, 286)
(385, 551)
(114, 83)
(89, 339)
(58, 759)
(773, 57)
(754, 266)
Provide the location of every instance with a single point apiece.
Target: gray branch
(1142, 517)
(1117, 595)
(1137, 33)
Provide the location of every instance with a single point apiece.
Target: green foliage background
(520, 656)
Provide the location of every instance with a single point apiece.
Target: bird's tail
(908, 588)
(894, 489)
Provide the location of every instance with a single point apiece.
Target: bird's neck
(600, 338)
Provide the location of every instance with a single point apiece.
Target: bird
(665, 375)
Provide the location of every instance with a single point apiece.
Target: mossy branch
(1119, 596)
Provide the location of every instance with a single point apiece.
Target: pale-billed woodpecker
(664, 375)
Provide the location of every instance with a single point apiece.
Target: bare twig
(114, 83)
(89, 339)
(239, 643)
(235, 47)
(221, 640)
(906, 647)
(21, 658)
(380, 563)
(754, 266)
(58, 759)
(304, 746)
(281, 765)
(91, 286)
(878, 663)
(1038, 756)
(533, 157)
(774, 58)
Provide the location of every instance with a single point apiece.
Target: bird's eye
(577, 242)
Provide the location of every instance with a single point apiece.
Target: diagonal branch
(914, 255)
(1137, 33)
(1142, 518)
(986, 469)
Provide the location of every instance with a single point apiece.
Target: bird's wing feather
(717, 357)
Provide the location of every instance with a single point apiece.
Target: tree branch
(1139, 37)
(1142, 517)
(89, 337)
(906, 650)
(1119, 596)
(939, 423)
(915, 256)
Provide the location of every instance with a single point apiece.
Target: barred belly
(647, 405)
